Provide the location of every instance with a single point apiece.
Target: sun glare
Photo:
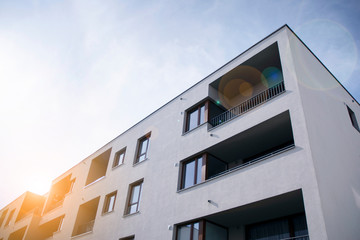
(39, 186)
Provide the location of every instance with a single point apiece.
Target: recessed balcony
(58, 192)
(86, 217)
(98, 168)
(265, 140)
(252, 83)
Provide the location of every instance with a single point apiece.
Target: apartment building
(266, 147)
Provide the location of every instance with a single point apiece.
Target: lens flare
(246, 89)
(238, 84)
(271, 76)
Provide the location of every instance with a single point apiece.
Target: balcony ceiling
(275, 207)
(266, 135)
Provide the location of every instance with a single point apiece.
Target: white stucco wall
(334, 142)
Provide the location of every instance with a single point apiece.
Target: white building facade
(266, 147)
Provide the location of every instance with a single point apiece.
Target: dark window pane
(215, 232)
(300, 227)
(184, 232)
(276, 229)
(189, 174)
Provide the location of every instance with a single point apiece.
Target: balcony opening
(32, 204)
(98, 167)
(18, 234)
(47, 229)
(248, 85)
(58, 193)
(255, 144)
(85, 218)
(279, 217)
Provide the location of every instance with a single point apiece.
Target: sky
(76, 74)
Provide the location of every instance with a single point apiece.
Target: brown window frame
(116, 161)
(107, 202)
(139, 154)
(197, 108)
(129, 204)
(203, 170)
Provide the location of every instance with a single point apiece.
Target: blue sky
(75, 74)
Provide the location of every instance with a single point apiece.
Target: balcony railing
(273, 153)
(249, 104)
(86, 227)
(304, 237)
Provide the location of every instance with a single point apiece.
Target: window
(353, 119)
(201, 229)
(192, 172)
(119, 157)
(109, 202)
(189, 232)
(134, 197)
(143, 146)
(10, 217)
(196, 116)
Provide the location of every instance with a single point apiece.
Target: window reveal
(196, 116)
(193, 171)
(143, 147)
(109, 202)
(134, 198)
(119, 157)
